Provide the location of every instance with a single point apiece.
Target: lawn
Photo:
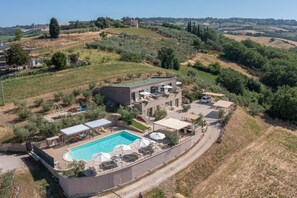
(29, 86)
(139, 125)
(205, 76)
(135, 31)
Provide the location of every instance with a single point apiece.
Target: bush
(94, 112)
(127, 114)
(130, 57)
(214, 68)
(73, 58)
(173, 139)
(32, 127)
(160, 114)
(92, 85)
(87, 94)
(47, 106)
(76, 92)
(59, 60)
(22, 134)
(68, 99)
(24, 113)
(49, 129)
(156, 193)
(6, 184)
(98, 99)
(38, 102)
(255, 109)
(75, 168)
(185, 107)
(58, 96)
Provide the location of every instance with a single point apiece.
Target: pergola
(74, 130)
(191, 117)
(172, 123)
(97, 123)
(213, 94)
(223, 104)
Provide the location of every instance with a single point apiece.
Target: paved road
(161, 175)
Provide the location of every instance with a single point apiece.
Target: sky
(25, 12)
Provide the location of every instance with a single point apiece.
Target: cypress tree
(198, 31)
(189, 27)
(54, 28)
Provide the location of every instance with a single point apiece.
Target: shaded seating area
(175, 125)
(108, 165)
(191, 117)
(130, 157)
(224, 105)
(75, 133)
(98, 124)
(146, 150)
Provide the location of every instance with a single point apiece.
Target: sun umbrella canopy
(139, 143)
(179, 83)
(144, 93)
(167, 87)
(157, 136)
(122, 147)
(101, 157)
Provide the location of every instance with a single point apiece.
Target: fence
(47, 158)
(88, 186)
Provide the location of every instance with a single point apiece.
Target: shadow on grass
(44, 179)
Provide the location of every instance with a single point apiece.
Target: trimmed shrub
(38, 102)
(21, 133)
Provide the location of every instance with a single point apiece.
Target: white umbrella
(101, 157)
(167, 87)
(139, 143)
(157, 136)
(145, 93)
(179, 83)
(122, 148)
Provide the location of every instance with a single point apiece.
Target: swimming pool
(106, 145)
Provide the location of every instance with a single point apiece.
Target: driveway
(161, 175)
(11, 162)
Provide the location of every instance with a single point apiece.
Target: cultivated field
(135, 31)
(278, 43)
(29, 86)
(207, 59)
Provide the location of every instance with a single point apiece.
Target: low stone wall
(13, 148)
(88, 186)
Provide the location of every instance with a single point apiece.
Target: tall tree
(189, 27)
(16, 55)
(168, 59)
(18, 34)
(54, 28)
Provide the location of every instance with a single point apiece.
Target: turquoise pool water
(106, 145)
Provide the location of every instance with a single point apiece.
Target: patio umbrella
(101, 157)
(167, 87)
(145, 93)
(157, 136)
(179, 83)
(122, 148)
(139, 143)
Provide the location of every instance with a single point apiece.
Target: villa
(146, 95)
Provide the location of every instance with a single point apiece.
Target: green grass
(29, 86)
(135, 31)
(71, 31)
(139, 125)
(205, 76)
(6, 38)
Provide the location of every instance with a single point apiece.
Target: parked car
(205, 99)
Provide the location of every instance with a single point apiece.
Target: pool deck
(58, 151)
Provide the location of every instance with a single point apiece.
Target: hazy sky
(13, 12)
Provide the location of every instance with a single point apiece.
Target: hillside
(135, 31)
(277, 42)
(253, 159)
(207, 59)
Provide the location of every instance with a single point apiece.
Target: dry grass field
(278, 43)
(207, 59)
(254, 160)
(45, 46)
